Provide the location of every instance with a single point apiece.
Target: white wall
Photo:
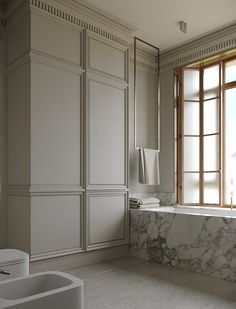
(146, 118)
(1, 146)
(167, 133)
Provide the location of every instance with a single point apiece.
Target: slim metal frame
(158, 90)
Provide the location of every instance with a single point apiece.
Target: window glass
(230, 144)
(211, 116)
(191, 188)
(230, 71)
(211, 153)
(211, 82)
(191, 85)
(191, 154)
(211, 188)
(191, 118)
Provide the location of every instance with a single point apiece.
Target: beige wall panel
(2, 140)
(18, 126)
(18, 222)
(167, 133)
(55, 38)
(55, 126)
(107, 118)
(55, 223)
(18, 38)
(106, 218)
(107, 58)
(135, 186)
(146, 108)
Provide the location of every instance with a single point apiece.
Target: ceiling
(157, 20)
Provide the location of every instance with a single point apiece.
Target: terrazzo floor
(130, 283)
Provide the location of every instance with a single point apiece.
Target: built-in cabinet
(106, 143)
(66, 137)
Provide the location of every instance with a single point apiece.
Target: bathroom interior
(117, 154)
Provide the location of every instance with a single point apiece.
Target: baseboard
(80, 259)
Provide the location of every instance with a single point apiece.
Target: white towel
(145, 206)
(149, 166)
(144, 201)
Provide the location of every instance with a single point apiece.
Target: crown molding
(210, 45)
(100, 15)
(78, 15)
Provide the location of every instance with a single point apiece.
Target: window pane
(211, 188)
(230, 71)
(211, 153)
(211, 116)
(191, 85)
(191, 188)
(191, 154)
(211, 82)
(230, 144)
(191, 118)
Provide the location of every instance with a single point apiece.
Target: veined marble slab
(201, 243)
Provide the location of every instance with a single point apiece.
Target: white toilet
(13, 263)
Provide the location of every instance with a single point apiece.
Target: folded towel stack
(150, 202)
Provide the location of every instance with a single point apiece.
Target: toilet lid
(12, 255)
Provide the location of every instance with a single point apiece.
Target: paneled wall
(66, 139)
(44, 144)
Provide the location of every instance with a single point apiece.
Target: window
(205, 112)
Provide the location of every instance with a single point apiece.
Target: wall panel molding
(74, 260)
(91, 243)
(55, 62)
(101, 82)
(100, 64)
(66, 189)
(204, 47)
(55, 254)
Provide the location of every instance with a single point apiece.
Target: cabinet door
(106, 219)
(107, 135)
(56, 225)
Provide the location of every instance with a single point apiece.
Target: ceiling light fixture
(183, 26)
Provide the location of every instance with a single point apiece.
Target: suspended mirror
(146, 95)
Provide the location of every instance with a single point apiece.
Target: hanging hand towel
(149, 166)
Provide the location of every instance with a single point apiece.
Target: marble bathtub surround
(204, 244)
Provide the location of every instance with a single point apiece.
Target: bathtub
(195, 210)
(193, 238)
(46, 290)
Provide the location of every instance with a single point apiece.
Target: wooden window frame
(179, 131)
